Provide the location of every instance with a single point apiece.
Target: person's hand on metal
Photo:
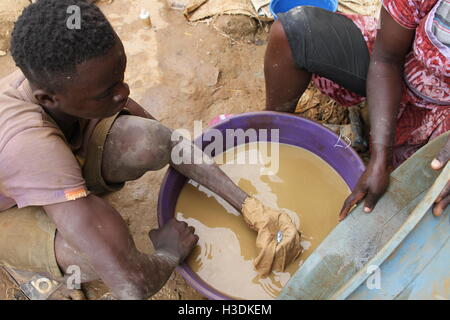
(175, 240)
(438, 163)
(372, 184)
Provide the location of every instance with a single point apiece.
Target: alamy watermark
(374, 280)
(73, 281)
(217, 142)
(74, 19)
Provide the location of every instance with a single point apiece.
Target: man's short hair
(47, 47)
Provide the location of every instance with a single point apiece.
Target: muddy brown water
(305, 187)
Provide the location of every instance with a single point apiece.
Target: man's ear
(45, 98)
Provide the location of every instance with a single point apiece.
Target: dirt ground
(179, 72)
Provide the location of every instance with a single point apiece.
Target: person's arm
(91, 226)
(384, 92)
(208, 175)
(193, 163)
(385, 78)
(128, 159)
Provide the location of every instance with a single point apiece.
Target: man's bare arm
(91, 226)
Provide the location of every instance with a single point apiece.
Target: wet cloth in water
(278, 240)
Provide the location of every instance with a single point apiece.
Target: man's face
(98, 90)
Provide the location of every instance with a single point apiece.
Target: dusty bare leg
(137, 145)
(285, 82)
(91, 226)
(66, 257)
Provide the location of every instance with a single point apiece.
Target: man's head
(77, 71)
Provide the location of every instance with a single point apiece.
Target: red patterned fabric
(425, 106)
(418, 123)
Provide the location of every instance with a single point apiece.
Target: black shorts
(329, 45)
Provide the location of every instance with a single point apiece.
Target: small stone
(259, 42)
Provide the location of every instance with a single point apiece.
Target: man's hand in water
(175, 240)
(372, 184)
(438, 163)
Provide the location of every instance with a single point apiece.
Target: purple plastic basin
(293, 130)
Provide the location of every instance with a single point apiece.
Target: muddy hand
(371, 186)
(175, 239)
(438, 163)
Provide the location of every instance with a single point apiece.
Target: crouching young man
(69, 131)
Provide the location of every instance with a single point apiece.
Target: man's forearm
(146, 275)
(195, 167)
(155, 270)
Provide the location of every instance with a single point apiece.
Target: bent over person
(69, 131)
(400, 64)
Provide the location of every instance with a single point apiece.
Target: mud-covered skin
(106, 250)
(136, 145)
